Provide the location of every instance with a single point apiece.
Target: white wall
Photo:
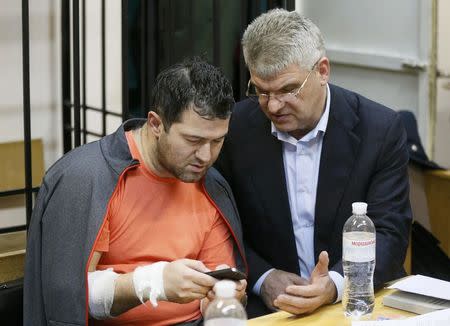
(368, 42)
(442, 136)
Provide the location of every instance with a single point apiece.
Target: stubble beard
(165, 160)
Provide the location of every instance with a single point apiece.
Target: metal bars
(243, 74)
(216, 32)
(75, 108)
(26, 108)
(76, 70)
(83, 66)
(144, 23)
(103, 70)
(28, 190)
(153, 53)
(65, 72)
(125, 102)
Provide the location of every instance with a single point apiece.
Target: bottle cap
(225, 289)
(359, 208)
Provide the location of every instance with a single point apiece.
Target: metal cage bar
(20, 191)
(26, 108)
(103, 50)
(216, 33)
(152, 48)
(83, 65)
(65, 72)
(125, 102)
(289, 5)
(243, 75)
(143, 20)
(76, 70)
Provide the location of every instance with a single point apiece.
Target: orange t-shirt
(151, 219)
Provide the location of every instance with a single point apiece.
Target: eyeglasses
(255, 95)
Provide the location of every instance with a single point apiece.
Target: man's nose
(204, 153)
(274, 105)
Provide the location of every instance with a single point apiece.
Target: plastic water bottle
(225, 309)
(358, 260)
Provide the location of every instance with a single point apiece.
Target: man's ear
(323, 68)
(155, 124)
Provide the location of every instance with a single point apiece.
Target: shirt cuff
(338, 281)
(257, 287)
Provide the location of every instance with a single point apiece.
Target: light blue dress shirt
(301, 165)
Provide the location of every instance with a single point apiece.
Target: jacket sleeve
(33, 305)
(389, 206)
(257, 265)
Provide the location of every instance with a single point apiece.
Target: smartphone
(228, 273)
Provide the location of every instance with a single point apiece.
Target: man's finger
(321, 268)
(196, 273)
(211, 295)
(201, 290)
(296, 305)
(222, 266)
(203, 280)
(307, 304)
(241, 285)
(300, 281)
(192, 296)
(196, 264)
(307, 291)
(289, 308)
(294, 300)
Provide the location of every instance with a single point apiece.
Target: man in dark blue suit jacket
(298, 153)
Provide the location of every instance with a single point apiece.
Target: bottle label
(358, 251)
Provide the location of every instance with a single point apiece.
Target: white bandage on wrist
(149, 283)
(101, 293)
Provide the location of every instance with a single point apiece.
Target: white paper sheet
(424, 285)
(435, 318)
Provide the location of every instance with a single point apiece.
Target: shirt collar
(320, 127)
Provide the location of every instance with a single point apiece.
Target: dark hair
(192, 82)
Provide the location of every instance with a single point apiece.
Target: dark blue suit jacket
(364, 158)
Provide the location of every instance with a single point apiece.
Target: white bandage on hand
(149, 283)
(101, 293)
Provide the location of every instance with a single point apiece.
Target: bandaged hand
(185, 281)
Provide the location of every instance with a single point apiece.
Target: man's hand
(300, 299)
(185, 281)
(276, 283)
(240, 291)
(240, 286)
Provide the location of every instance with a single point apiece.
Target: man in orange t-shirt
(124, 228)
(162, 230)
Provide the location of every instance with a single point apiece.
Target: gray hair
(279, 38)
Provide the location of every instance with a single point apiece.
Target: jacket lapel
(339, 150)
(268, 178)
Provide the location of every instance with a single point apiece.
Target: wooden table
(331, 315)
(438, 197)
